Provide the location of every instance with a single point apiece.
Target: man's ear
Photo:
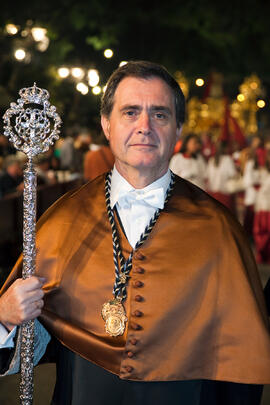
(105, 123)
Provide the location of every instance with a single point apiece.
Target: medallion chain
(122, 271)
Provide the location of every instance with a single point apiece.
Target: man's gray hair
(143, 70)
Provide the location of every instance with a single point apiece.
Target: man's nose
(144, 124)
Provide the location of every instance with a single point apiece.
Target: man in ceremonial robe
(183, 315)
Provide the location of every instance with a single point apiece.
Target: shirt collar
(119, 185)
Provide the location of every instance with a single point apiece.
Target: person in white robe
(251, 183)
(189, 163)
(220, 170)
(261, 227)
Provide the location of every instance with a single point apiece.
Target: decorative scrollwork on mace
(32, 125)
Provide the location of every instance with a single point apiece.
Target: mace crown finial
(30, 128)
(34, 95)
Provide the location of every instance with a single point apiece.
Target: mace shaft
(32, 125)
(29, 266)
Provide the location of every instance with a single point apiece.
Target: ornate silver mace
(32, 125)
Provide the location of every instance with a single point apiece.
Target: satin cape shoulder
(202, 305)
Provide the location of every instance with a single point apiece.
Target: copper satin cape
(203, 309)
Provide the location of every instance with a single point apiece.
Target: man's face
(142, 127)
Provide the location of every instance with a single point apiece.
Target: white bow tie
(154, 198)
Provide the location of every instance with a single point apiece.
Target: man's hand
(22, 301)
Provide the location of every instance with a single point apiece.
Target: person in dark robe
(146, 289)
(11, 180)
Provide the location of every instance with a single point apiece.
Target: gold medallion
(114, 315)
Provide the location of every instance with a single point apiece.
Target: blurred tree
(195, 37)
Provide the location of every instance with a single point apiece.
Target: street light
(77, 72)
(96, 90)
(261, 103)
(63, 72)
(11, 29)
(20, 54)
(82, 88)
(43, 45)
(108, 53)
(199, 82)
(93, 77)
(38, 33)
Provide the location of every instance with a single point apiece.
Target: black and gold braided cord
(122, 273)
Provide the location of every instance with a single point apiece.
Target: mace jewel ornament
(32, 125)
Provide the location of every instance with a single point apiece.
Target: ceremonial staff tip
(32, 126)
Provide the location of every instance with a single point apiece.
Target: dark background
(195, 37)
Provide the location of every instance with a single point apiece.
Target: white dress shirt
(7, 338)
(135, 208)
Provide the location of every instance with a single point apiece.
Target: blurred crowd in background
(238, 177)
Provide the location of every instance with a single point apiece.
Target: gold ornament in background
(238, 113)
(250, 90)
(207, 115)
(183, 82)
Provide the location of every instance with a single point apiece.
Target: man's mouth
(144, 145)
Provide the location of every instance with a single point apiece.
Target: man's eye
(129, 113)
(160, 116)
